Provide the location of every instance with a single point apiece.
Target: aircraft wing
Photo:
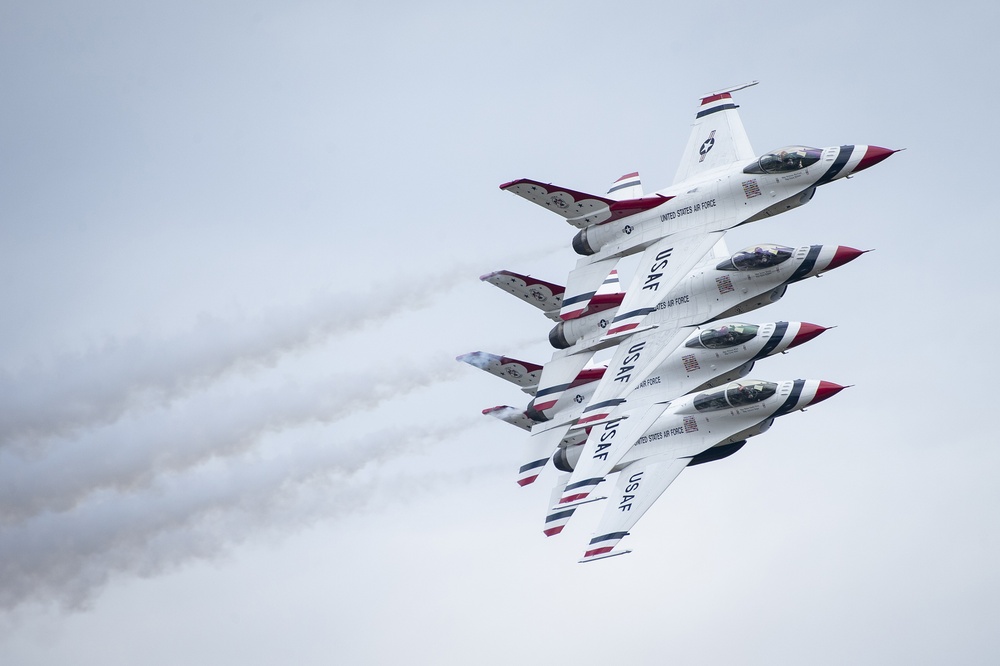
(638, 486)
(633, 362)
(538, 451)
(662, 266)
(520, 373)
(717, 137)
(607, 444)
(511, 415)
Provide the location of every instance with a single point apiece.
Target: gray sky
(239, 250)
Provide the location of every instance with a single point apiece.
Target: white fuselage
(717, 200)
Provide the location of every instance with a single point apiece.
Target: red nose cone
(843, 255)
(826, 390)
(806, 333)
(873, 156)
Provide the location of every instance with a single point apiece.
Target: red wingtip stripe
(595, 417)
(598, 551)
(715, 98)
(552, 531)
(526, 481)
(573, 498)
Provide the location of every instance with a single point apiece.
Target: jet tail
(627, 187)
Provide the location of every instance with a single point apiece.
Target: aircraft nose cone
(873, 155)
(843, 255)
(806, 333)
(826, 390)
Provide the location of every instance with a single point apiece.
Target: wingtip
(588, 557)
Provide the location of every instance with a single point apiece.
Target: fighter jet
(600, 310)
(697, 428)
(745, 281)
(720, 183)
(710, 357)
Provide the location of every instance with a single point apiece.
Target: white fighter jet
(709, 357)
(643, 431)
(720, 183)
(697, 428)
(740, 283)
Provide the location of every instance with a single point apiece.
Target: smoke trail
(77, 391)
(131, 453)
(101, 386)
(67, 558)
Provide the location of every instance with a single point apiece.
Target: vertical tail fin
(627, 187)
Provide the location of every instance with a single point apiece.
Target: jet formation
(676, 390)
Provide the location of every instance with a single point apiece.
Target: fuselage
(717, 417)
(710, 292)
(727, 197)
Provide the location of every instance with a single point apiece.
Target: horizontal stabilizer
(543, 295)
(523, 374)
(583, 284)
(510, 415)
(538, 451)
(529, 471)
(603, 546)
(579, 208)
(556, 521)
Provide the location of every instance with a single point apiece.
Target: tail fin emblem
(707, 146)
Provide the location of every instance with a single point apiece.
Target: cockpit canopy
(729, 335)
(785, 160)
(736, 394)
(756, 257)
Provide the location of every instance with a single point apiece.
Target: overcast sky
(239, 250)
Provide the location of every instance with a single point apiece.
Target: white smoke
(133, 452)
(66, 558)
(76, 391)
(144, 454)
